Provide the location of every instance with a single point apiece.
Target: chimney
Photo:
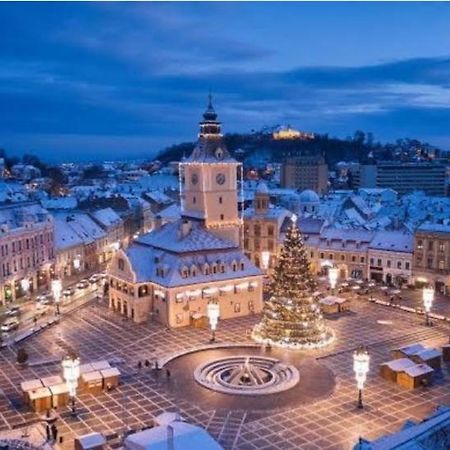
(158, 222)
(170, 438)
(185, 228)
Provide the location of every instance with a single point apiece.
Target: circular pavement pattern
(247, 375)
(316, 380)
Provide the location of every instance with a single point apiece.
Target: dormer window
(242, 266)
(193, 271)
(206, 269)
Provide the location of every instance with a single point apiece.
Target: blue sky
(88, 81)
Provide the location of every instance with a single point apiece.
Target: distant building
(262, 229)
(289, 133)
(429, 177)
(26, 250)
(25, 172)
(432, 256)
(391, 257)
(305, 172)
(172, 273)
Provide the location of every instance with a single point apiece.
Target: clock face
(220, 178)
(194, 178)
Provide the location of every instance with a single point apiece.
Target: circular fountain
(247, 375)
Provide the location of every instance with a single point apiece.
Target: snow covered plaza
(218, 350)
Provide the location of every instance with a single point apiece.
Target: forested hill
(358, 148)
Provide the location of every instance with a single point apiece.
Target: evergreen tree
(292, 316)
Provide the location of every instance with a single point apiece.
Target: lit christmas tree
(292, 317)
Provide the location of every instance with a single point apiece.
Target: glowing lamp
(361, 361)
(213, 312)
(71, 373)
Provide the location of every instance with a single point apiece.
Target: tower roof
(210, 145)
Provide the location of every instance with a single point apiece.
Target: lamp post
(213, 311)
(361, 360)
(71, 373)
(56, 291)
(427, 297)
(25, 285)
(333, 274)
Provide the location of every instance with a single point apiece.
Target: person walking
(54, 429)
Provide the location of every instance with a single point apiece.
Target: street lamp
(56, 291)
(25, 285)
(265, 259)
(333, 274)
(361, 360)
(213, 311)
(77, 263)
(71, 373)
(428, 297)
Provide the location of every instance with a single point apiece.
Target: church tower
(209, 182)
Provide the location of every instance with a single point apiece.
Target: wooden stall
(390, 370)
(111, 378)
(415, 376)
(430, 356)
(91, 382)
(40, 399)
(60, 395)
(27, 387)
(91, 441)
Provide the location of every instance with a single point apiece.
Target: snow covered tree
(292, 317)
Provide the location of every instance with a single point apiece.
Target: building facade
(405, 177)
(391, 258)
(26, 250)
(305, 172)
(171, 274)
(432, 256)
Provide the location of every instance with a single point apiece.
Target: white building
(172, 273)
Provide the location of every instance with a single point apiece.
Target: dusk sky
(89, 81)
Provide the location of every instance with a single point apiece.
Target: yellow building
(172, 273)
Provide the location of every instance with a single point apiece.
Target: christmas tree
(292, 317)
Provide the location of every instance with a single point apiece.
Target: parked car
(68, 292)
(13, 311)
(41, 307)
(44, 298)
(10, 325)
(83, 284)
(94, 279)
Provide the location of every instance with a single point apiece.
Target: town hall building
(170, 274)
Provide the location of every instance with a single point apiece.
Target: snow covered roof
(65, 235)
(14, 217)
(80, 223)
(398, 241)
(185, 437)
(170, 237)
(107, 217)
(309, 196)
(262, 188)
(158, 197)
(60, 203)
(432, 432)
(435, 227)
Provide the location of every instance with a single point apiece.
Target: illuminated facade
(171, 274)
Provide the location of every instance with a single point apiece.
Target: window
(194, 200)
(270, 230)
(312, 254)
(407, 265)
(270, 245)
(441, 264)
(388, 263)
(372, 261)
(121, 264)
(420, 244)
(237, 307)
(430, 263)
(246, 243)
(222, 217)
(361, 259)
(220, 200)
(257, 230)
(399, 264)
(342, 257)
(379, 263)
(257, 246)
(242, 266)
(321, 256)
(441, 246)
(353, 258)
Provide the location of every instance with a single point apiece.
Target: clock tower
(209, 179)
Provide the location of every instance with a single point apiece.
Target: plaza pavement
(331, 423)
